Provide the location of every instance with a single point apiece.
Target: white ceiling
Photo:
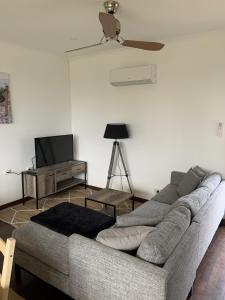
(59, 25)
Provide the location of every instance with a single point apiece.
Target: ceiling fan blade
(151, 46)
(85, 47)
(109, 24)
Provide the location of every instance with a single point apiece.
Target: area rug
(20, 214)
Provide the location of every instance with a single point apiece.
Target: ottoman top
(67, 218)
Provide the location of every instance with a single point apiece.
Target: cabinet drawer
(63, 175)
(78, 169)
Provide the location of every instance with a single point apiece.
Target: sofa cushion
(211, 182)
(125, 238)
(149, 213)
(176, 177)
(188, 183)
(128, 220)
(194, 201)
(160, 243)
(44, 244)
(167, 195)
(200, 172)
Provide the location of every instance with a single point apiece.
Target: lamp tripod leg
(124, 167)
(111, 164)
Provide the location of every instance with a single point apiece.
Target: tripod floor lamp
(116, 131)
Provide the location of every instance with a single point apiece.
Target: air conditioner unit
(133, 75)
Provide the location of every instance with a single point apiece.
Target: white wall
(173, 123)
(40, 105)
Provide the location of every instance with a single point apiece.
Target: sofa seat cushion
(160, 243)
(194, 201)
(48, 246)
(124, 238)
(167, 195)
(189, 183)
(150, 213)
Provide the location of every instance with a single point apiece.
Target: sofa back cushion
(211, 182)
(194, 201)
(167, 195)
(160, 243)
(188, 183)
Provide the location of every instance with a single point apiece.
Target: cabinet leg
(37, 195)
(85, 181)
(85, 176)
(23, 196)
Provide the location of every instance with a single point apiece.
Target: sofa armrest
(176, 177)
(183, 263)
(98, 272)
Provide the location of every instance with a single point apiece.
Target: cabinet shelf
(61, 185)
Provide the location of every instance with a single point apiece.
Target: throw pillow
(126, 238)
(128, 220)
(188, 183)
(200, 172)
(160, 243)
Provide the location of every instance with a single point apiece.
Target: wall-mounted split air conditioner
(133, 75)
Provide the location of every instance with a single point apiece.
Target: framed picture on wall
(5, 103)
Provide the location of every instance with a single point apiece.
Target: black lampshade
(116, 131)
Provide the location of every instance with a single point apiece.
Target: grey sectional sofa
(87, 270)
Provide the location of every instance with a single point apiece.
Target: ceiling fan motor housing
(111, 7)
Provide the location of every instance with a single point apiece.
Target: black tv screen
(53, 150)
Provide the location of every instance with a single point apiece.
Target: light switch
(220, 129)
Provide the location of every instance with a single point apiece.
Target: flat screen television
(53, 150)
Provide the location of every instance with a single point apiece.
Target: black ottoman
(67, 218)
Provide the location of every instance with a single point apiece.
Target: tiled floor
(20, 214)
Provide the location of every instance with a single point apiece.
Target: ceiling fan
(111, 29)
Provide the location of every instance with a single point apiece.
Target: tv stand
(42, 182)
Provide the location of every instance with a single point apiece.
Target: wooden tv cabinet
(42, 182)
